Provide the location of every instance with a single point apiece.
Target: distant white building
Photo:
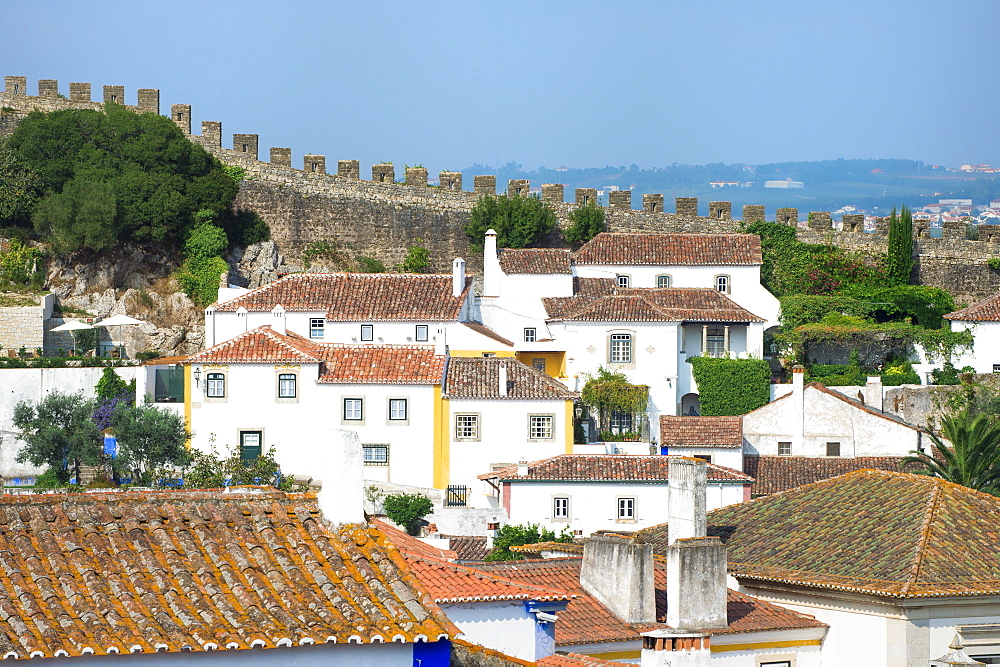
(787, 184)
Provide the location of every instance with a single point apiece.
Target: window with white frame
(663, 281)
(560, 508)
(623, 281)
(722, 284)
(626, 509)
(715, 342)
(286, 385)
(317, 327)
(354, 409)
(376, 455)
(785, 448)
(621, 349)
(466, 427)
(397, 409)
(621, 421)
(421, 333)
(538, 363)
(367, 332)
(529, 335)
(540, 427)
(215, 385)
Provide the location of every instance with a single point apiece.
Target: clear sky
(578, 84)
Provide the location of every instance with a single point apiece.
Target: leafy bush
(417, 258)
(19, 265)
(949, 375)
(407, 509)
(518, 221)
(993, 263)
(209, 470)
(205, 241)
(369, 264)
(199, 278)
(731, 386)
(586, 222)
(512, 535)
(608, 392)
(899, 374)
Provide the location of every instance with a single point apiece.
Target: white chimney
(278, 319)
(210, 327)
(798, 408)
(339, 467)
(522, 468)
(619, 573)
(457, 276)
(873, 392)
(687, 479)
(243, 314)
(502, 380)
(491, 265)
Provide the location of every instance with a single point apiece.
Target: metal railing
(456, 496)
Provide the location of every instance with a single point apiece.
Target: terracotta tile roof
(987, 310)
(587, 621)
(535, 260)
(574, 660)
(409, 545)
(779, 473)
(607, 468)
(449, 582)
(261, 346)
(670, 249)
(382, 364)
(667, 304)
(889, 534)
(358, 297)
(489, 333)
(479, 377)
(593, 286)
(129, 572)
(701, 431)
(469, 547)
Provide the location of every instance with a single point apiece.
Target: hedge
(728, 387)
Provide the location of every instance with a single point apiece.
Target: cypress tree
(899, 261)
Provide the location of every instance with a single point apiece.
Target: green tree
(19, 189)
(208, 470)
(518, 221)
(111, 384)
(971, 455)
(512, 535)
(407, 509)
(586, 222)
(608, 392)
(899, 260)
(417, 258)
(59, 432)
(149, 437)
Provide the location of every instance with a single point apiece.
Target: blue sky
(552, 84)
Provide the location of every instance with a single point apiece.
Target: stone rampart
(381, 217)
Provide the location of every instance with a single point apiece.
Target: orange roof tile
(382, 364)
(593, 286)
(701, 431)
(409, 545)
(670, 249)
(479, 377)
(197, 570)
(260, 346)
(449, 582)
(666, 304)
(359, 297)
(489, 333)
(574, 660)
(780, 473)
(535, 260)
(986, 310)
(607, 468)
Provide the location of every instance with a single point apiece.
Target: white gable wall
(503, 625)
(985, 352)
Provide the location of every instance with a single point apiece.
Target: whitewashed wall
(504, 626)
(986, 346)
(731, 457)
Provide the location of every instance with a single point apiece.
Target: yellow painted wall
(442, 441)
(188, 390)
(555, 362)
(569, 427)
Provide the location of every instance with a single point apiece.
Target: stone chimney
(340, 469)
(278, 319)
(798, 408)
(491, 265)
(502, 380)
(873, 392)
(619, 573)
(687, 480)
(696, 584)
(457, 276)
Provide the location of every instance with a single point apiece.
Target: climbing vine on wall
(728, 387)
(607, 391)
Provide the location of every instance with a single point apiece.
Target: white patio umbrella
(72, 325)
(121, 320)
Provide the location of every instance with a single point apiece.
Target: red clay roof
(593, 286)
(468, 547)
(409, 545)
(535, 260)
(987, 310)
(607, 468)
(479, 377)
(197, 570)
(701, 431)
(381, 364)
(574, 660)
(358, 297)
(670, 249)
(261, 346)
(489, 333)
(666, 304)
(773, 474)
(449, 583)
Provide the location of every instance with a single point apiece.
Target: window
(168, 385)
(626, 509)
(707, 458)
(529, 335)
(715, 342)
(540, 427)
(833, 449)
(722, 284)
(367, 332)
(316, 325)
(215, 385)
(286, 385)
(397, 409)
(251, 445)
(421, 335)
(376, 455)
(996, 368)
(538, 363)
(778, 663)
(784, 449)
(663, 281)
(560, 508)
(466, 427)
(621, 349)
(623, 281)
(621, 421)
(353, 409)
(489, 355)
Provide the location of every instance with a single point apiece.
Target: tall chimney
(341, 471)
(873, 392)
(502, 380)
(798, 408)
(210, 327)
(457, 276)
(696, 584)
(687, 479)
(278, 319)
(491, 265)
(619, 573)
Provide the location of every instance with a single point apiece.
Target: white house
(718, 440)
(584, 493)
(982, 319)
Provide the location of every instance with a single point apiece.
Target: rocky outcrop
(257, 265)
